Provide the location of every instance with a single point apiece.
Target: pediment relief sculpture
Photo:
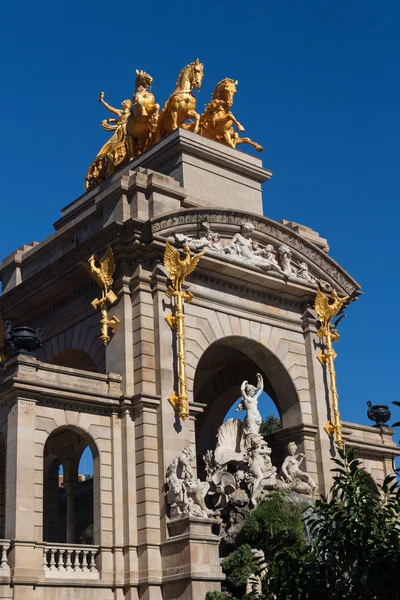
(242, 249)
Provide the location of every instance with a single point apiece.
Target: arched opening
(70, 495)
(74, 358)
(2, 485)
(219, 374)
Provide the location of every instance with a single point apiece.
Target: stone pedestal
(190, 559)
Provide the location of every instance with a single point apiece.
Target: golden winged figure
(102, 275)
(327, 310)
(179, 269)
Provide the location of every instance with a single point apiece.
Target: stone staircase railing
(70, 561)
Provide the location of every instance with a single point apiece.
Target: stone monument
(146, 388)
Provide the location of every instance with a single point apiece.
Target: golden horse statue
(182, 103)
(216, 122)
(143, 119)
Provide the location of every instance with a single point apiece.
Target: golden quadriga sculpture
(138, 124)
(327, 309)
(178, 271)
(102, 275)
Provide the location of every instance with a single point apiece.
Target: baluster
(85, 564)
(93, 568)
(45, 565)
(59, 558)
(68, 561)
(77, 566)
(52, 560)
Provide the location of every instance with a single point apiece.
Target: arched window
(70, 496)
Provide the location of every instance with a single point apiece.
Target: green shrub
(276, 518)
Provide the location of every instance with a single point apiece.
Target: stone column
(26, 561)
(70, 489)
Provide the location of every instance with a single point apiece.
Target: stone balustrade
(70, 561)
(4, 548)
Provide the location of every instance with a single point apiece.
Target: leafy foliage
(275, 518)
(355, 548)
(87, 536)
(355, 552)
(216, 596)
(270, 425)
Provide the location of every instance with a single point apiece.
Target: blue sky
(319, 88)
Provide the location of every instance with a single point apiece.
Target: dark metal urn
(21, 340)
(379, 413)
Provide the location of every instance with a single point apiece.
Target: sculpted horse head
(143, 79)
(182, 103)
(190, 77)
(225, 90)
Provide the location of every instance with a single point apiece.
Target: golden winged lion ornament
(103, 276)
(178, 270)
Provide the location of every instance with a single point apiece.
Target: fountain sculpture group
(239, 472)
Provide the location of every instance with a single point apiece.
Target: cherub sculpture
(291, 471)
(261, 472)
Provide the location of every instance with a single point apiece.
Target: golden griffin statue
(103, 276)
(326, 309)
(178, 271)
(138, 124)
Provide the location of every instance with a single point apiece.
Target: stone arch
(64, 446)
(81, 338)
(219, 374)
(74, 358)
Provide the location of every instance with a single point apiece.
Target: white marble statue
(249, 403)
(304, 273)
(185, 493)
(286, 259)
(292, 474)
(242, 246)
(261, 474)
